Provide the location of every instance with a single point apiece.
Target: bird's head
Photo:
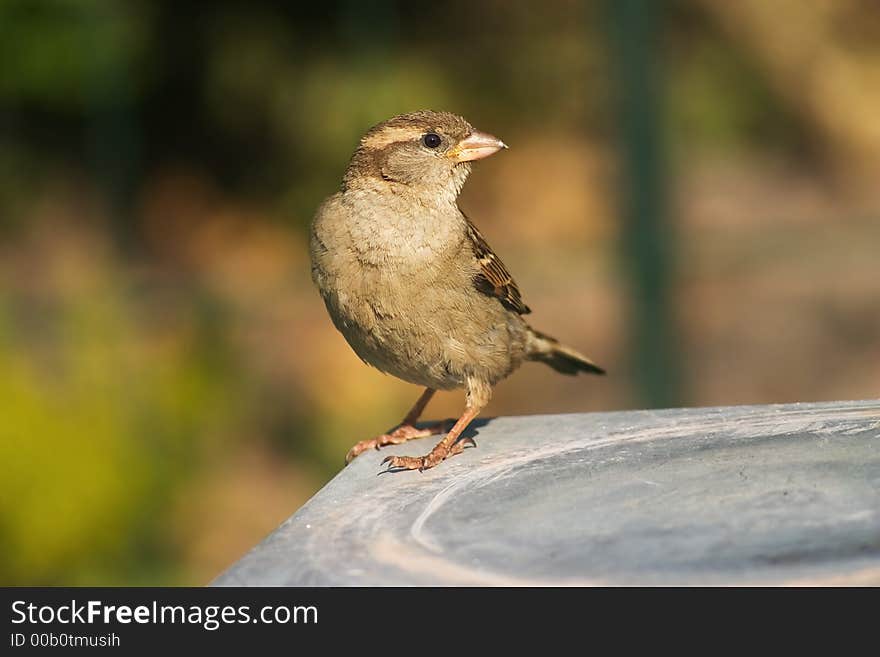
(427, 151)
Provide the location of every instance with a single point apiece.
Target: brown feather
(493, 279)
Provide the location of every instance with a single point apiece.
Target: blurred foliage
(61, 54)
(104, 411)
(170, 387)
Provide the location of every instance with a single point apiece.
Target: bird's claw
(400, 435)
(462, 444)
(422, 463)
(398, 463)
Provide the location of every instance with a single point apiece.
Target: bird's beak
(476, 146)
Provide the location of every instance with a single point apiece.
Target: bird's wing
(492, 277)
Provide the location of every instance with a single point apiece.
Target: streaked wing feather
(493, 279)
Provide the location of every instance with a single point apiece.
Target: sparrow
(412, 284)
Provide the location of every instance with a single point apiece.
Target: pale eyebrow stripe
(389, 136)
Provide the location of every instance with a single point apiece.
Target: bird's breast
(401, 292)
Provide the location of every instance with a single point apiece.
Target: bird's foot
(422, 463)
(400, 435)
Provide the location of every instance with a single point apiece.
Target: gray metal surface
(786, 494)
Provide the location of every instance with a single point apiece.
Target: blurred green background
(691, 197)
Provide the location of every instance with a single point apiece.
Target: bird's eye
(431, 140)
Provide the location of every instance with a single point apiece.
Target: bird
(413, 285)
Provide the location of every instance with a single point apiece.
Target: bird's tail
(561, 358)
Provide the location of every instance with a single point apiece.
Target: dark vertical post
(647, 234)
(112, 134)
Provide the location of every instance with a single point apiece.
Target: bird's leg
(478, 393)
(405, 431)
(418, 408)
(449, 446)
